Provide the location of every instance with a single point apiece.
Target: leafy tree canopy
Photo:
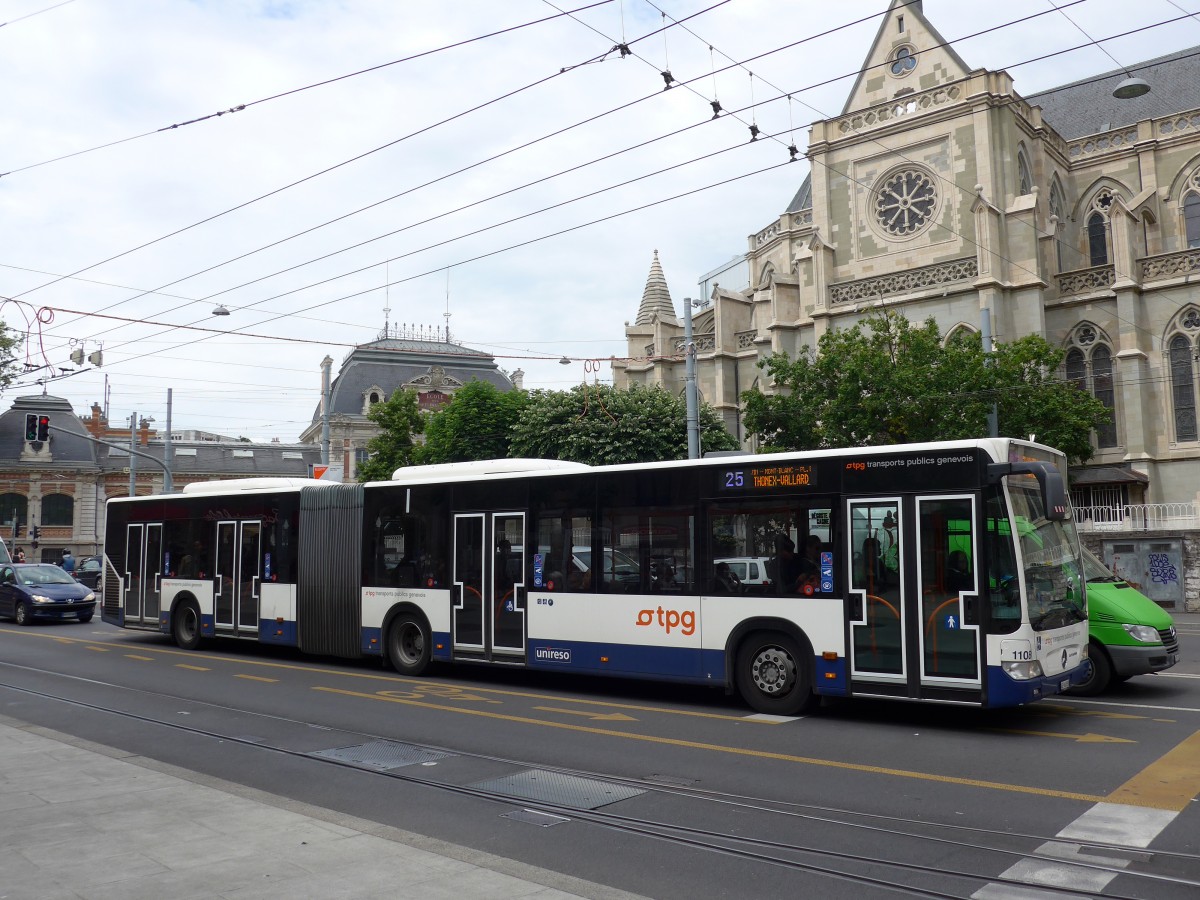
(401, 419)
(9, 342)
(888, 381)
(476, 424)
(600, 425)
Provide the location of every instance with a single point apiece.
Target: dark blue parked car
(31, 591)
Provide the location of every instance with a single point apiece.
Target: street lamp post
(689, 349)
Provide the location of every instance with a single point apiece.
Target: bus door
(237, 577)
(913, 613)
(488, 585)
(143, 572)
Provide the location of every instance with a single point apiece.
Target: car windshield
(1094, 570)
(1050, 556)
(43, 575)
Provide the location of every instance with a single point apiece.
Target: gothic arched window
(1024, 177)
(1183, 388)
(1191, 219)
(1097, 232)
(1089, 367)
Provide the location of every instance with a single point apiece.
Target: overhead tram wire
(288, 93)
(35, 13)
(1013, 66)
(575, 125)
(706, 121)
(459, 115)
(1071, 49)
(336, 166)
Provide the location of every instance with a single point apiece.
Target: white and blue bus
(947, 572)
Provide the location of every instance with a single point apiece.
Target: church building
(941, 191)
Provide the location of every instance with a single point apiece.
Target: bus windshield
(1050, 558)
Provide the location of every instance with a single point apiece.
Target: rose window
(904, 61)
(905, 202)
(1191, 320)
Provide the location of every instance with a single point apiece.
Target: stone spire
(656, 299)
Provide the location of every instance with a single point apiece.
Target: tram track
(816, 859)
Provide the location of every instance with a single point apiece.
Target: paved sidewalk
(79, 820)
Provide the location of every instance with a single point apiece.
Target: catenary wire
(307, 87)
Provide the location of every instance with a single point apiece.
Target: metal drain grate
(382, 754)
(558, 789)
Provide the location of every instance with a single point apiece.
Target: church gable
(908, 56)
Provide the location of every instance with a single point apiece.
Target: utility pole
(986, 335)
(689, 382)
(168, 484)
(326, 366)
(132, 458)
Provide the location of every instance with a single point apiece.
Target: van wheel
(1101, 675)
(409, 645)
(772, 674)
(185, 625)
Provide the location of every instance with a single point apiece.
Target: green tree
(476, 424)
(9, 343)
(599, 425)
(401, 419)
(888, 381)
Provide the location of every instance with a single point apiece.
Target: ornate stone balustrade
(1168, 125)
(1100, 143)
(766, 234)
(1170, 265)
(802, 218)
(1081, 281)
(745, 339)
(905, 282)
(704, 343)
(650, 350)
(907, 105)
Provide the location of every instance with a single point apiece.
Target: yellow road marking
(1078, 738)
(135, 656)
(427, 686)
(99, 649)
(736, 751)
(1171, 782)
(193, 668)
(594, 716)
(257, 678)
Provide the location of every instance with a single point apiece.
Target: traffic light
(31, 427)
(43, 428)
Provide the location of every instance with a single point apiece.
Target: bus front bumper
(1004, 690)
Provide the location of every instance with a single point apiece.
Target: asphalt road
(665, 791)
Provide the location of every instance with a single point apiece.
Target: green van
(1130, 633)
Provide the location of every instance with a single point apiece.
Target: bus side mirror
(1050, 481)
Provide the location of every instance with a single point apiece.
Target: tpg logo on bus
(669, 618)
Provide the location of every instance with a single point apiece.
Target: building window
(1089, 367)
(1097, 232)
(1024, 178)
(1191, 220)
(905, 202)
(1183, 388)
(904, 60)
(58, 509)
(13, 508)
(361, 455)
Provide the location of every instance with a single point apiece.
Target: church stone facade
(941, 191)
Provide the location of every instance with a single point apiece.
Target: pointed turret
(656, 298)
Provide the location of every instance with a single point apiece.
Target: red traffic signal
(43, 428)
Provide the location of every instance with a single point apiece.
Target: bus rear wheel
(185, 625)
(409, 645)
(773, 674)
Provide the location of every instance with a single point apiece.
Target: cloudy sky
(527, 174)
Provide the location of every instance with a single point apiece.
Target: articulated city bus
(947, 572)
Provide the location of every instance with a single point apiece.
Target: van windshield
(1094, 570)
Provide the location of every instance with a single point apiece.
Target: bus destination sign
(783, 477)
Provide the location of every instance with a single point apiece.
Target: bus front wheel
(185, 625)
(773, 674)
(409, 645)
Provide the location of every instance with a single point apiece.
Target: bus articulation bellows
(946, 572)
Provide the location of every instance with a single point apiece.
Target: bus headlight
(1023, 670)
(1143, 633)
